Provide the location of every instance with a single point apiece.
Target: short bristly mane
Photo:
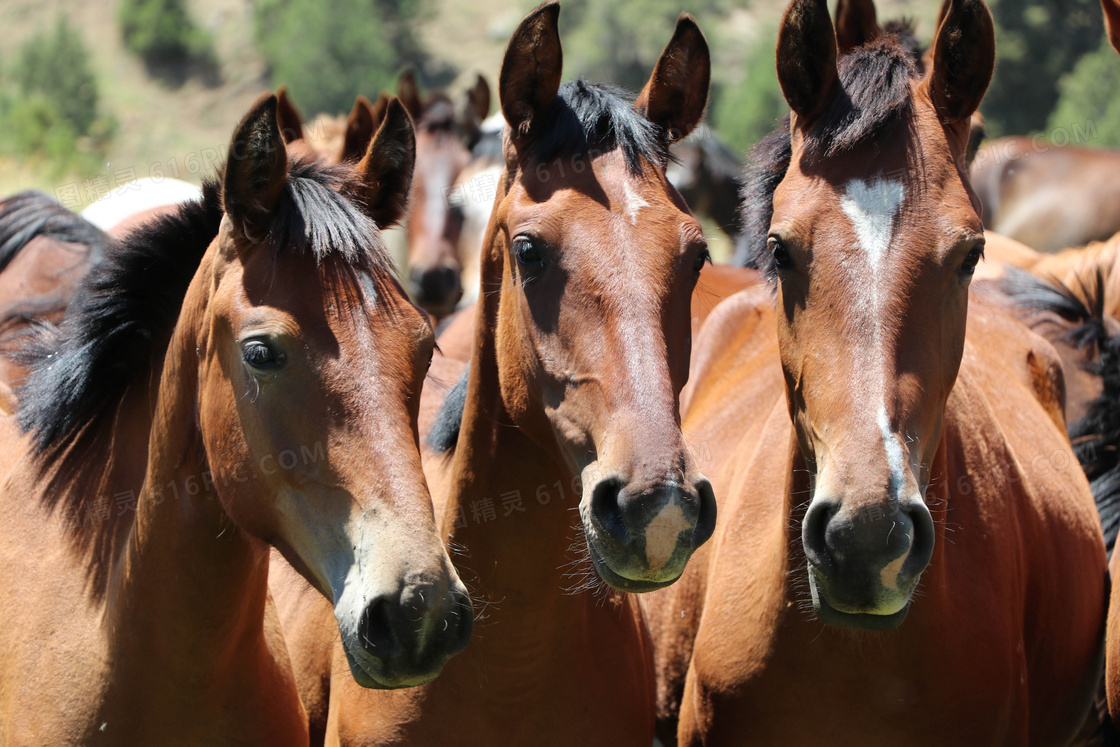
(873, 97)
(600, 117)
(117, 330)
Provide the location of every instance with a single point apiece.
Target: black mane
(596, 116)
(1096, 435)
(872, 98)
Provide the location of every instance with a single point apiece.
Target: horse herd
(248, 499)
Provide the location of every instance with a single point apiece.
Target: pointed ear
(256, 171)
(409, 94)
(387, 166)
(1112, 22)
(360, 126)
(677, 91)
(530, 75)
(379, 108)
(479, 97)
(856, 24)
(963, 55)
(807, 57)
(291, 123)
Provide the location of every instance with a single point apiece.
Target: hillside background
(93, 91)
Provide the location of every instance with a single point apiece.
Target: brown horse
(1046, 195)
(579, 348)
(445, 133)
(243, 373)
(907, 553)
(45, 251)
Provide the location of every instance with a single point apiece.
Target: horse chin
(360, 671)
(829, 615)
(620, 582)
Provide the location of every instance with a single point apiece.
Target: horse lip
(364, 677)
(829, 615)
(619, 582)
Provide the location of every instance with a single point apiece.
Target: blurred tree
(57, 67)
(49, 103)
(746, 106)
(1090, 96)
(162, 31)
(620, 40)
(328, 54)
(1037, 41)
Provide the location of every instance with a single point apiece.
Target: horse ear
(963, 58)
(387, 166)
(530, 76)
(291, 123)
(409, 94)
(807, 57)
(479, 97)
(379, 108)
(360, 126)
(257, 169)
(677, 91)
(856, 24)
(1112, 22)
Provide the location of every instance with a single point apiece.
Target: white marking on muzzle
(662, 534)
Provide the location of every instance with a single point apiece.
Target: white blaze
(871, 208)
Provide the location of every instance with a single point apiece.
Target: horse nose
(668, 520)
(879, 545)
(437, 287)
(413, 633)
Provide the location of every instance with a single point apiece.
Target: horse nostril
(376, 629)
(435, 284)
(921, 548)
(706, 518)
(462, 613)
(606, 510)
(814, 531)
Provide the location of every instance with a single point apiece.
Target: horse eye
(703, 258)
(260, 355)
(782, 260)
(968, 267)
(528, 251)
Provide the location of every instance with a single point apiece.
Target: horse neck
(496, 467)
(191, 587)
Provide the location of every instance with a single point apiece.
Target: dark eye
(528, 251)
(782, 260)
(260, 355)
(968, 268)
(703, 258)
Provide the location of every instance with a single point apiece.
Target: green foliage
(328, 54)
(57, 67)
(49, 103)
(1037, 41)
(745, 108)
(1090, 93)
(161, 30)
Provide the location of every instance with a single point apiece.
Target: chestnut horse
(907, 553)
(580, 345)
(45, 251)
(446, 131)
(240, 374)
(1048, 196)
